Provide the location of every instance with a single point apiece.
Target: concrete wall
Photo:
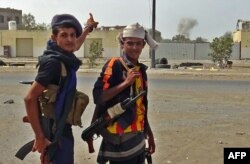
(172, 51)
(235, 52)
(190, 51)
(175, 51)
(201, 51)
(109, 42)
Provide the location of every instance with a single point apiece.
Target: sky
(194, 18)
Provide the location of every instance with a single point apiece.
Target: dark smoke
(185, 26)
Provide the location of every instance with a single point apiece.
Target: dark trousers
(65, 151)
(135, 160)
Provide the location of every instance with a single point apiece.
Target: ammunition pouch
(47, 105)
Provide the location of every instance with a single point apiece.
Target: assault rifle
(102, 121)
(27, 148)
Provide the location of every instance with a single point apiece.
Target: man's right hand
(40, 144)
(131, 75)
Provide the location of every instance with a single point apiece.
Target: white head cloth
(137, 31)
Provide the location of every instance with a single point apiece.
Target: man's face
(66, 39)
(132, 47)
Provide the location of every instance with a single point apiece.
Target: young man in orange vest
(124, 139)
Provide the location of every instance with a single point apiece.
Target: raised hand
(91, 23)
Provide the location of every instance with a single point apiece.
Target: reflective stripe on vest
(108, 73)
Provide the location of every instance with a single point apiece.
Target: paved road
(182, 110)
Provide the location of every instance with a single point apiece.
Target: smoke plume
(185, 26)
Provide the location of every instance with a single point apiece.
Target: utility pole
(153, 35)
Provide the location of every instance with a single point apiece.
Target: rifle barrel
(142, 93)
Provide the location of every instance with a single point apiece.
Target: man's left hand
(151, 144)
(91, 23)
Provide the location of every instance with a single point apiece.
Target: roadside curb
(152, 71)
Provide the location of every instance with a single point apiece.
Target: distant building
(242, 36)
(8, 14)
(22, 43)
(110, 28)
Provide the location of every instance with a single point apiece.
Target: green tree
(222, 49)
(180, 38)
(166, 41)
(200, 40)
(95, 52)
(42, 27)
(29, 23)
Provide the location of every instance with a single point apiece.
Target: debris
(9, 101)
(2, 63)
(240, 133)
(220, 142)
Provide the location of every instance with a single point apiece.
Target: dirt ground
(190, 126)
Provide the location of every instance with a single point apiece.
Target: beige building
(242, 36)
(21, 43)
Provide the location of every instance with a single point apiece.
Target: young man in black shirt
(67, 36)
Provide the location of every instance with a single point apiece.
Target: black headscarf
(54, 51)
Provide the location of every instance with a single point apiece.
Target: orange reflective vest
(139, 85)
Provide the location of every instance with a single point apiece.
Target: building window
(17, 20)
(1, 19)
